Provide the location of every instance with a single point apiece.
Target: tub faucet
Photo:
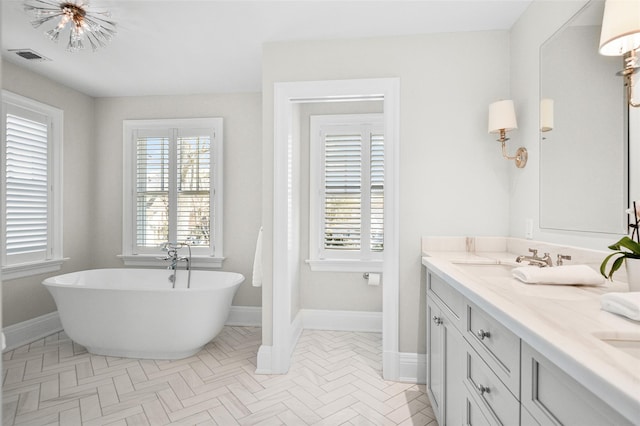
(172, 255)
(534, 259)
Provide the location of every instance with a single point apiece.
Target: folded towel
(256, 280)
(561, 275)
(627, 304)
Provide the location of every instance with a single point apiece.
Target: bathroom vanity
(503, 352)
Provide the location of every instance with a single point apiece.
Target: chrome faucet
(534, 259)
(172, 255)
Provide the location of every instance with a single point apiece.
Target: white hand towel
(257, 262)
(627, 304)
(561, 275)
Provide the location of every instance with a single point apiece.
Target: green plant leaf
(615, 265)
(629, 244)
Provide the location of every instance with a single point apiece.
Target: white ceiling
(211, 46)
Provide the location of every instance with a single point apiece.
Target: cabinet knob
(482, 389)
(482, 334)
(437, 320)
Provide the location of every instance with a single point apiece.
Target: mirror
(583, 158)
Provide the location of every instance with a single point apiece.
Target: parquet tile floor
(334, 380)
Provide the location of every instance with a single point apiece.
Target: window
(31, 187)
(347, 191)
(173, 181)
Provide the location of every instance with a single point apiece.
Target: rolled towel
(561, 275)
(626, 304)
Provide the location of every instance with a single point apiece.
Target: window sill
(204, 262)
(344, 265)
(22, 270)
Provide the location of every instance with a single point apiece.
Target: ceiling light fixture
(83, 22)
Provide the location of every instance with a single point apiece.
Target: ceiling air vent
(29, 54)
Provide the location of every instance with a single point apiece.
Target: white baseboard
(263, 360)
(247, 316)
(25, 332)
(412, 367)
(316, 319)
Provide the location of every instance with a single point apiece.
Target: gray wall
(92, 194)
(329, 290)
(26, 298)
(541, 20)
(242, 157)
(453, 180)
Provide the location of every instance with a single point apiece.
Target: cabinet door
(454, 373)
(435, 360)
(445, 370)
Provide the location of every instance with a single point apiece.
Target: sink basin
(627, 343)
(489, 270)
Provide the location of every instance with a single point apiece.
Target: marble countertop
(563, 323)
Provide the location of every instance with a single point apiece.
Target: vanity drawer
(452, 300)
(472, 413)
(494, 399)
(497, 345)
(551, 396)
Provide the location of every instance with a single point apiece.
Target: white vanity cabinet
(463, 387)
(479, 372)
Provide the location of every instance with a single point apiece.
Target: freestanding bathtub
(135, 313)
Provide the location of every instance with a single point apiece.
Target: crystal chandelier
(83, 23)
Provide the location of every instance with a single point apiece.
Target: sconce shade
(502, 115)
(620, 27)
(546, 115)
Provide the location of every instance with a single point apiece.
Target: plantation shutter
(152, 187)
(173, 187)
(27, 184)
(377, 192)
(342, 191)
(194, 190)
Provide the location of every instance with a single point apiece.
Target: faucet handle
(562, 257)
(534, 252)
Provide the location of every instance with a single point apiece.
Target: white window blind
(27, 185)
(342, 225)
(194, 190)
(152, 200)
(175, 178)
(377, 192)
(31, 202)
(347, 173)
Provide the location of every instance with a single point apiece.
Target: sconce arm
(521, 156)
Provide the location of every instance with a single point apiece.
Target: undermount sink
(627, 343)
(486, 270)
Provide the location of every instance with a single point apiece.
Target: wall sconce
(502, 119)
(546, 115)
(620, 36)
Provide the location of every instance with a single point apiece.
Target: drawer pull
(482, 389)
(482, 334)
(437, 320)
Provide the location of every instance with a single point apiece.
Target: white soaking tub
(136, 313)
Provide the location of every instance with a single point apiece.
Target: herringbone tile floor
(334, 380)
